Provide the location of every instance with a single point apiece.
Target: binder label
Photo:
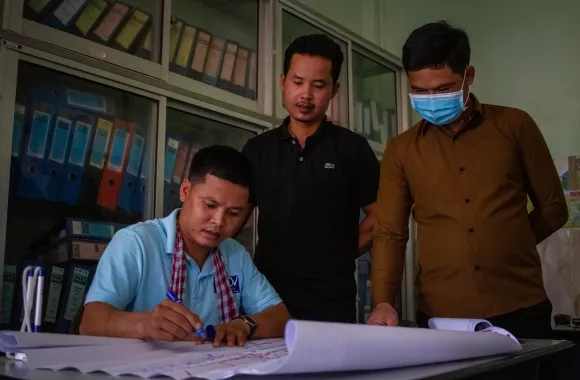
(101, 143)
(185, 45)
(135, 155)
(60, 140)
(111, 21)
(8, 287)
(201, 48)
(77, 291)
(87, 100)
(170, 157)
(214, 58)
(54, 291)
(229, 61)
(80, 143)
(94, 230)
(90, 15)
(132, 29)
(66, 11)
(241, 67)
(38, 5)
(173, 36)
(17, 129)
(38, 134)
(118, 150)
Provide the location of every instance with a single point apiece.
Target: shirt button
(301, 159)
(293, 141)
(467, 200)
(462, 169)
(471, 229)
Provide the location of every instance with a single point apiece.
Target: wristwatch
(250, 321)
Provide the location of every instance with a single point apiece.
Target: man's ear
(469, 75)
(185, 189)
(335, 89)
(282, 81)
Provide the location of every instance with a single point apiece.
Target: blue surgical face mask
(439, 109)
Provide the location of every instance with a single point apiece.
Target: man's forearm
(101, 319)
(365, 235)
(545, 225)
(388, 263)
(271, 322)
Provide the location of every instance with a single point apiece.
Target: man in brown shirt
(465, 173)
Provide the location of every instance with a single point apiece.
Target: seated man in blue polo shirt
(190, 257)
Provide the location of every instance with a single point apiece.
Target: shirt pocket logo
(234, 283)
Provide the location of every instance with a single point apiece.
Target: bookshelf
(143, 72)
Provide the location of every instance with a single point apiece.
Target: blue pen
(173, 297)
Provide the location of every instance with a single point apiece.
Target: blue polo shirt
(135, 271)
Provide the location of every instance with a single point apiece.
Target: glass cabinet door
(292, 28)
(78, 174)
(375, 100)
(131, 26)
(216, 42)
(186, 134)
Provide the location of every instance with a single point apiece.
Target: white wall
(360, 16)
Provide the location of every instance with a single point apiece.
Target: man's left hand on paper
(383, 315)
(232, 333)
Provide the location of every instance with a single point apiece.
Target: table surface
(531, 350)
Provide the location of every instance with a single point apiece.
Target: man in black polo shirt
(311, 180)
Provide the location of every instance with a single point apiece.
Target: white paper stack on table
(307, 347)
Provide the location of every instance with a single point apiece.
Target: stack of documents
(308, 347)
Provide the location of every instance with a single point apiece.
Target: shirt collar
(170, 225)
(477, 113)
(284, 133)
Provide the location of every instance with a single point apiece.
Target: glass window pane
(375, 100)
(294, 27)
(77, 176)
(216, 42)
(186, 134)
(132, 26)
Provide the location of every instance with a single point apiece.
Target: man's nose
(307, 93)
(218, 218)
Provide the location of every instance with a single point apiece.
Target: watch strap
(250, 322)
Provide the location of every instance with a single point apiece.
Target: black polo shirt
(309, 203)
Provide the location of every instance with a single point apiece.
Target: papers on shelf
(307, 347)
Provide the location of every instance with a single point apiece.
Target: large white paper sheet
(15, 341)
(308, 347)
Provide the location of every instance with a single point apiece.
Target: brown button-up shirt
(468, 194)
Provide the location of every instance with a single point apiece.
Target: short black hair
(435, 45)
(223, 162)
(316, 45)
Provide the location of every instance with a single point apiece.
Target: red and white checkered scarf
(226, 304)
